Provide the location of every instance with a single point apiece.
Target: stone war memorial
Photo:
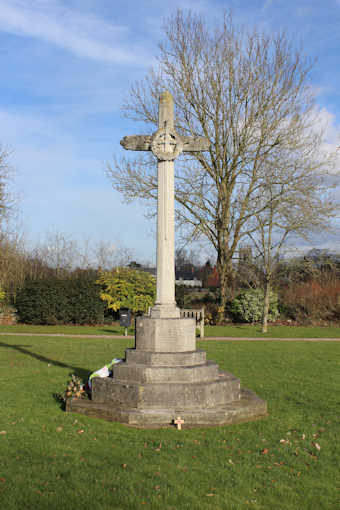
(165, 380)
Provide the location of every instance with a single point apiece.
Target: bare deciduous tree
(298, 202)
(109, 255)
(247, 92)
(59, 252)
(13, 263)
(63, 254)
(6, 199)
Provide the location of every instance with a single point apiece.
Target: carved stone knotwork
(166, 144)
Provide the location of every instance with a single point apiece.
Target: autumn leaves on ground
(50, 459)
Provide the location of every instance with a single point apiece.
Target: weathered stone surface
(143, 143)
(162, 310)
(165, 335)
(166, 359)
(136, 142)
(144, 374)
(195, 143)
(166, 144)
(222, 389)
(248, 407)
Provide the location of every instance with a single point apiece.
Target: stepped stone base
(203, 393)
(165, 377)
(247, 407)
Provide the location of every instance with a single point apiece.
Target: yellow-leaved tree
(127, 288)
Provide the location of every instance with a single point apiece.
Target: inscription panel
(165, 335)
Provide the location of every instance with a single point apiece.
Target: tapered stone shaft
(165, 296)
(165, 305)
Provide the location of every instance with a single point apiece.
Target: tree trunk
(224, 271)
(223, 298)
(266, 307)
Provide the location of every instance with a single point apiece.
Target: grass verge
(115, 329)
(245, 330)
(52, 460)
(233, 330)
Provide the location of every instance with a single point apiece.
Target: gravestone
(165, 377)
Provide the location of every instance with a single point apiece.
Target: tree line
(63, 289)
(62, 286)
(305, 288)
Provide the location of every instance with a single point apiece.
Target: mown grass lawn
(53, 460)
(114, 329)
(233, 330)
(246, 330)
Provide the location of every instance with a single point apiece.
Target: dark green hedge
(73, 300)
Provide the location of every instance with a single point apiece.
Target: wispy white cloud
(85, 35)
(60, 188)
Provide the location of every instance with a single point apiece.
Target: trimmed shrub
(74, 300)
(248, 306)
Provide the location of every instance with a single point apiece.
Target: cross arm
(195, 143)
(143, 143)
(137, 142)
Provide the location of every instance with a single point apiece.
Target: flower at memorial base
(74, 389)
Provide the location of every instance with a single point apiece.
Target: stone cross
(179, 422)
(166, 144)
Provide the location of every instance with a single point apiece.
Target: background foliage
(248, 306)
(68, 300)
(128, 288)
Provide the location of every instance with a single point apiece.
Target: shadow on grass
(81, 372)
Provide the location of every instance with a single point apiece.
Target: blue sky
(66, 68)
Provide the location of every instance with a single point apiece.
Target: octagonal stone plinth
(164, 377)
(220, 389)
(149, 374)
(167, 359)
(248, 407)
